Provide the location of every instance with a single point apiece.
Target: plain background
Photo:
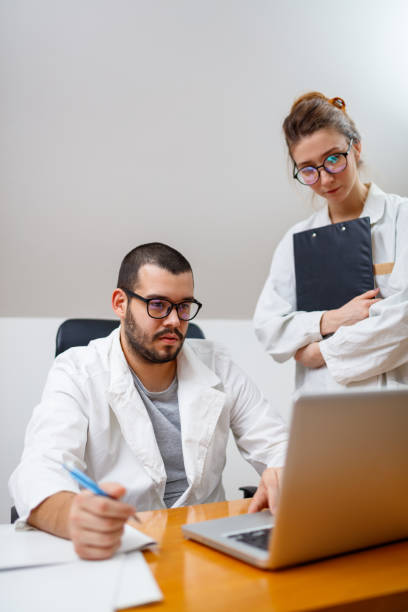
(127, 121)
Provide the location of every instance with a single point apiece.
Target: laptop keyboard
(258, 538)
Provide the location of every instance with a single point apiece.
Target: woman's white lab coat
(92, 414)
(373, 352)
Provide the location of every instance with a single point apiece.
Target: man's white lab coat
(92, 414)
(371, 353)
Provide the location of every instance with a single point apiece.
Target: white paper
(82, 586)
(133, 539)
(26, 548)
(136, 585)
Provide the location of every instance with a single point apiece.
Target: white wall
(125, 121)
(26, 354)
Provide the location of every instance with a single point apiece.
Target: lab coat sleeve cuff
(279, 456)
(30, 500)
(285, 334)
(336, 365)
(315, 318)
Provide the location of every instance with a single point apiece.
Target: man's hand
(310, 356)
(354, 311)
(267, 493)
(96, 523)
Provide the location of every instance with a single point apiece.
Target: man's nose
(173, 318)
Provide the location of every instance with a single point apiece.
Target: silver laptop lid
(345, 483)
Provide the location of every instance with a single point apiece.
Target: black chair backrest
(13, 514)
(194, 331)
(79, 332)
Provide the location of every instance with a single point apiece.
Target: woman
(365, 341)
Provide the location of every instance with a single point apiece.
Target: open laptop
(344, 488)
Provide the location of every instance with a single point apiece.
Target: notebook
(344, 487)
(333, 264)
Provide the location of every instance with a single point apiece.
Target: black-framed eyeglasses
(158, 308)
(333, 164)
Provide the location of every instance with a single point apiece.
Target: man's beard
(139, 341)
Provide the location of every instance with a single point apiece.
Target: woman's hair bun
(339, 103)
(314, 111)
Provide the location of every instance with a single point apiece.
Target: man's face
(157, 340)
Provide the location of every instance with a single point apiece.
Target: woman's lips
(332, 191)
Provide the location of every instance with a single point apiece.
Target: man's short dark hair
(155, 253)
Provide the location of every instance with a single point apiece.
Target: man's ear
(119, 303)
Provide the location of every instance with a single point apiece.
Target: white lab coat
(92, 414)
(371, 353)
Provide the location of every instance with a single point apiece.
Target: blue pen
(88, 483)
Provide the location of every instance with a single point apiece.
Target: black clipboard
(333, 264)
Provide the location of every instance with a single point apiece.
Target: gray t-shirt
(163, 410)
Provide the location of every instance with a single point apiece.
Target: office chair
(248, 491)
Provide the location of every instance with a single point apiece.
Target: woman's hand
(354, 311)
(310, 356)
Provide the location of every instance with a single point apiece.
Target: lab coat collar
(375, 204)
(189, 367)
(373, 207)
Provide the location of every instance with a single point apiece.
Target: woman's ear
(357, 150)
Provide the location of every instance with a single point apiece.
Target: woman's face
(314, 149)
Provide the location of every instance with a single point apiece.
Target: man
(144, 409)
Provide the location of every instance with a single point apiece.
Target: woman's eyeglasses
(333, 164)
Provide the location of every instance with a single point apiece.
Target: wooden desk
(194, 578)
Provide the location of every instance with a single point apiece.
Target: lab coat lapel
(322, 217)
(374, 208)
(374, 205)
(200, 406)
(130, 411)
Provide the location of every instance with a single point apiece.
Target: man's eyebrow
(322, 157)
(155, 296)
